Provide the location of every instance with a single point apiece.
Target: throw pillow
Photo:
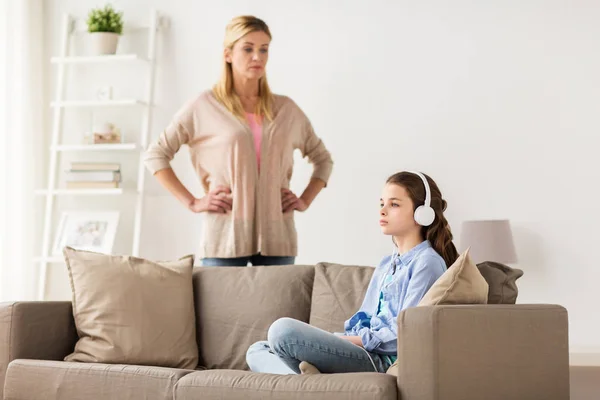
(393, 369)
(338, 291)
(236, 306)
(128, 310)
(502, 281)
(462, 283)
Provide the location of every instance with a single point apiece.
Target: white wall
(497, 100)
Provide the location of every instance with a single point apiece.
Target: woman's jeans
(256, 259)
(291, 341)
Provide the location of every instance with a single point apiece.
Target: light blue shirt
(391, 291)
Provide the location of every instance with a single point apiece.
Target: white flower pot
(102, 43)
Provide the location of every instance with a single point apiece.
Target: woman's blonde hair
(223, 90)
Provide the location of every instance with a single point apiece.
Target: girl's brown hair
(438, 233)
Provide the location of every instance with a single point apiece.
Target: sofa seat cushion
(49, 380)
(243, 385)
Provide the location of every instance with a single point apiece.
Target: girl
(411, 212)
(241, 139)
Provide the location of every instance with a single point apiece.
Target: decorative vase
(103, 43)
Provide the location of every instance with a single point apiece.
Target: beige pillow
(462, 283)
(235, 306)
(129, 310)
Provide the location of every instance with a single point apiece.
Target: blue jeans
(291, 341)
(256, 259)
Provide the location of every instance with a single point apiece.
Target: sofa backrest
(338, 292)
(235, 306)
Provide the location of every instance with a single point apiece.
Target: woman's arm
(312, 190)
(158, 160)
(289, 201)
(167, 178)
(313, 148)
(216, 201)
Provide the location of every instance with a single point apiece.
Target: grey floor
(585, 383)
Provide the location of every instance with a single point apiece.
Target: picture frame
(86, 230)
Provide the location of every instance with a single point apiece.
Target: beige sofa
(464, 352)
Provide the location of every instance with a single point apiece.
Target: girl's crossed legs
(291, 341)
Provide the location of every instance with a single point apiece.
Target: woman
(241, 139)
(412, 212)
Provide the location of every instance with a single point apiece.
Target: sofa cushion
(49, 380)
(462, 283)
(338, 292)
(235, 306)
(243, 385)
(502, 281)
(129, 310)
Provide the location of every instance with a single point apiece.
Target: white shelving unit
(72, 26)
(49, 259)
(96, 147)
(97, 59)
(79, 192)
(94, 103)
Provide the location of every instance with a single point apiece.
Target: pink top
(256, 127)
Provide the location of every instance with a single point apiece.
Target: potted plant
(105, 25)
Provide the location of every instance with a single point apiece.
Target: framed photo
(86, 230)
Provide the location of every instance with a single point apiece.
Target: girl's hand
(289, 201)
(353, 339)
(217, 200)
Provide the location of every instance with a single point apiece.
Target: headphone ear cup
(424, 216)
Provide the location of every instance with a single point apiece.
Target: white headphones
(424, 215)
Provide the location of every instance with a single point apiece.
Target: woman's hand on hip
(289, 201)
(217, 200)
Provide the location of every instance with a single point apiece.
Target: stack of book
(89, 175)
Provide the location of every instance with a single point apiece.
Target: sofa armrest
(35, 330)
(483, 352)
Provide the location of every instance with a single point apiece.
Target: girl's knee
(281, 330)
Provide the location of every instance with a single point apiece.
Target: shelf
(97, 59)
(50, 259)
(81, 192)
(96, 147)
(95, 103)
(80, 27)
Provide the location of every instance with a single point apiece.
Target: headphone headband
(427, 189)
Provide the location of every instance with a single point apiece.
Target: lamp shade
(489, 240)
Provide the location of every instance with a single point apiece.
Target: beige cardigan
(222, 152)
